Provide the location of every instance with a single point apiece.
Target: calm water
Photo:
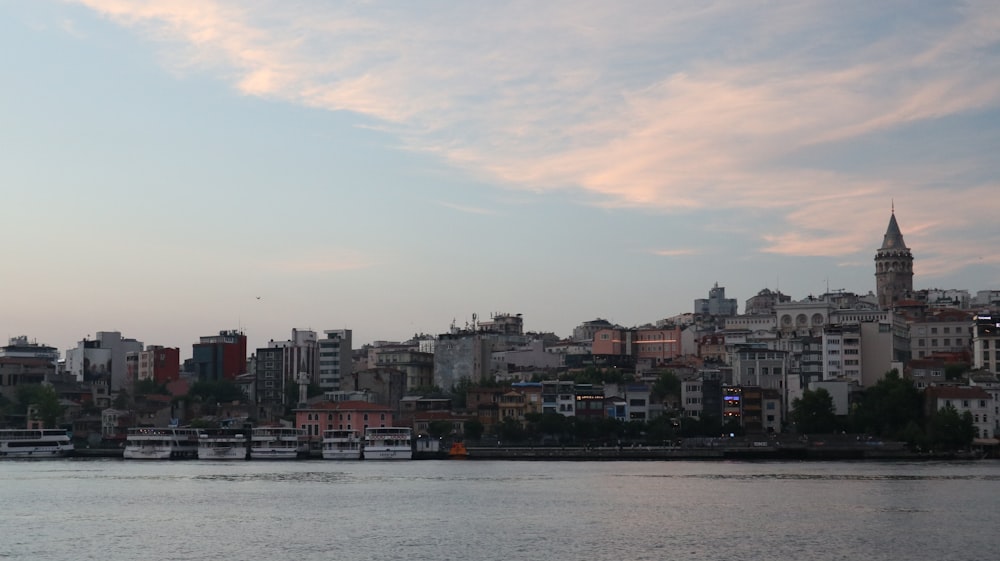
(469, 510)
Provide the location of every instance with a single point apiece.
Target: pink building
(342, 415)
(652, 345)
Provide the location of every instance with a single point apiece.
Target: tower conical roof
(893, 237)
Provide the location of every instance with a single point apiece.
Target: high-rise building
(220, 357)
(334, 358)
(893, 267)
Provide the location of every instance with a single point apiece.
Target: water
(477, 510)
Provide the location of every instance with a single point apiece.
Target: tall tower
(893, 266)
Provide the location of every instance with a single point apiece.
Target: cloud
(679, 252)
(679, 108)
(468, 209)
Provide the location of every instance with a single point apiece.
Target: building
(269, 383)
(643, 347)
(559, 396)
(342, 415)
(586, 330)
(334, 358)
(386, 385)
(975, 400)
(300, 359)
(893, 267)
(159, 364)
(418, 367)
(102, 358)
(16, 371)
(716, 304)
(986, 342)
(220, 357)
(461, 355)
(764, 302)
(941, 331)
(760, 367)
(20, 347)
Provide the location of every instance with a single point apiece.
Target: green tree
(814, 412)
(888, 407)
(45, 401)
(212, 393)
(947, 430)
(510, 430)
(439, 429)
(666, 384)
(474, 429)
(149, 386)
(549, 424)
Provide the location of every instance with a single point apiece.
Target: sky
(173, 169)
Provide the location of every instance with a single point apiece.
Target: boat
(222, 444)
(458, 450)
(388, 443)
(34, 443)
(159, 443)
(341, 445)
(278, 443)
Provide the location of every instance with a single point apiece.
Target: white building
(102, 358)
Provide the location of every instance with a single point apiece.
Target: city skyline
(179, 168)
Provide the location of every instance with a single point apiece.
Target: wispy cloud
(678, 252)
(468, 209)
(669, 106)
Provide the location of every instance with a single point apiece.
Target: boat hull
(388, 454)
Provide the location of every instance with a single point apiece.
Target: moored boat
(34, 443)
(222, 444)
(278, 443)
(341, 445)
(159, 443)
(458, 450)
(388, 443)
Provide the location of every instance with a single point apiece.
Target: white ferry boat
(34, 443)
(388, 443)
(341, 445)
(278, 443)
(153, 443)
(222, 444)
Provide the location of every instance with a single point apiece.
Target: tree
(948, 431)
(666, 384)
(45, 401)
(149, 386)
(888, 407)
(474, 429)
(814, 412)
(212, 393)
(438, 429)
